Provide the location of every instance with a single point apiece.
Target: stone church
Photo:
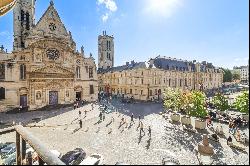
(44, 68)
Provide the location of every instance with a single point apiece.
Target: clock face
(52, 26)
(53, 54)
(78, 61)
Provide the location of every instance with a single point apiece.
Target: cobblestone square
(61, 132)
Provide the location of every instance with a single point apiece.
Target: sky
(215, 31)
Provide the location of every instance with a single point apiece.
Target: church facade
(44, 68)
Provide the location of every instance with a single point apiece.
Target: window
(22, 72)
(141, 92)
(78, 72)
(150, 93)
(91, 89)
(27, 21)
(87, 69)
(2, 93)
(156, 92)
(180, 82)
(142, 81)
(2, 71)
(131, 91)
(169, 82)
(91, 72)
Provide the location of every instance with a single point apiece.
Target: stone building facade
(45, 68)
(105, 51)
(147, 80)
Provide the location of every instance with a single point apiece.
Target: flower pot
(175, 117)
(200, 124)
(185, 120)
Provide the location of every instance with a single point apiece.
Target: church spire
(52, 2)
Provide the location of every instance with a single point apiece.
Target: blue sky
(216, 31)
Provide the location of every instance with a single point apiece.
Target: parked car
(94, 159)
(4, 145)
(11, 159)
(74, 157)
(8, 150)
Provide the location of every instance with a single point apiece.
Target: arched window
(22, 72)
(2, 71)
(78, 72)
(2, 93)
(27, 21)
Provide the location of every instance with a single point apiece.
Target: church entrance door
(23, 101)
(78, 96)
(53, 98)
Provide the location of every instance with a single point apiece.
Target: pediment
(52, 69)
(50, 24)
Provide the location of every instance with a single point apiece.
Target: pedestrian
(149, 131)
(229, 140)
(77, 105)
(82, 102)
(85, 113)
(139, 118)
(74, 106)
(80, 123)
(132, 118)
(92, 106)
(141, 128)
(80, 113)
(103, 116)
(100, 116)
(125, 121)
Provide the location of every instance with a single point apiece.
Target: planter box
(185, 120)
(200, 124)
(175, 117)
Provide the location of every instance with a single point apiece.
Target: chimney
(127, 63)
(132, 62)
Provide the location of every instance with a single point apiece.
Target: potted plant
(186, 100)
(242, 105)
(198, 109)
(172, 101)
(221, 103)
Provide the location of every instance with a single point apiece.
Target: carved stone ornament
(53, 54)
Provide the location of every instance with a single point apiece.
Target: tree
(186, 101)
(227, 76)
(236, 76)
(198, 108)
(220, 102)
(242, 103)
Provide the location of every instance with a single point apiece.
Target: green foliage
(172, 99)
(236, 76)
(242, 103)
(198, 108)
(227, 76)
(221, 102)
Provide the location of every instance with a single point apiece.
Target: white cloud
(105, 17)
(110, 6)
(164, 8)
(4, 33)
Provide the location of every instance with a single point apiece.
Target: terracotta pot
(200, 124)
(185, 120)
(175, 117)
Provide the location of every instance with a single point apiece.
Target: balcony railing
(23, 136)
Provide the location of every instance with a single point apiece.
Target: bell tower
(24, 19)
(105, 51)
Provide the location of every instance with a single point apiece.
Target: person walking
(149, 131)
(103, 117)
(80, 113)
(132, 118)
(139, 118)
(141, 128)
(74, 106)
(100, 116)
(85, 112)
(80, 123)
